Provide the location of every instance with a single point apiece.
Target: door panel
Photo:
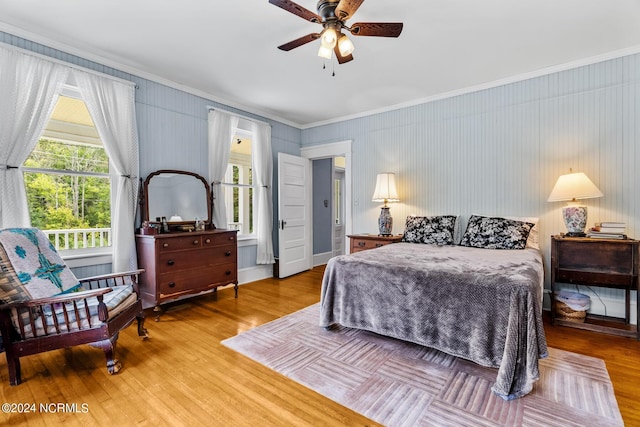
(294, 210)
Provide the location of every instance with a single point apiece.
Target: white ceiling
(226, 50)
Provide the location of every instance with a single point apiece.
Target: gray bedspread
(482, 305)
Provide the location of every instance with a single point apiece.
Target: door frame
(330, 150)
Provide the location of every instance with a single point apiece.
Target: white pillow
(534, 235)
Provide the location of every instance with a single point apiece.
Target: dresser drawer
(362, 244)
(200, 258)
(220, 239)
(180, 243)
(199, 278)
(172, 284)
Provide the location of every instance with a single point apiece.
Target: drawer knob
(361, 243)
(208, 241)
(228, 253)
(228, 273)
(172, 284)
(378, 245)
(171, 262)
(232, 238)
(165, 245)
(195, 242)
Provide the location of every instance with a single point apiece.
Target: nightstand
(605, 263)
(362, 242)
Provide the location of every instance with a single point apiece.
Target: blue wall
(499, 151)
(322, 215)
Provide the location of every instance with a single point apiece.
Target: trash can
(572, 306)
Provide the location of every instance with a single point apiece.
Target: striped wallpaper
(499, 151)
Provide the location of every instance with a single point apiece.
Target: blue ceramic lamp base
(385, 222)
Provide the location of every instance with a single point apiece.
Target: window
(238, 185)
(67, 180)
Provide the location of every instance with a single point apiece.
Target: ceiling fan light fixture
(332, 16)
(324, 52)
(345, 46)
(329, 38)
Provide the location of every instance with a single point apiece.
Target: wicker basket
(564, 312)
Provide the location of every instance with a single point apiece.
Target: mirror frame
(176, 226)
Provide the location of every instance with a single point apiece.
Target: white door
(294, 211)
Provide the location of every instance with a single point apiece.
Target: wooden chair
(44, 307)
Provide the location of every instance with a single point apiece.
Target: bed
(474, 301)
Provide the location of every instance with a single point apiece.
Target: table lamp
(385, 192)
(570, 188)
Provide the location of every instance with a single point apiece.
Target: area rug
(396, 383)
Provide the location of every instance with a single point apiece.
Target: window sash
(65, 172)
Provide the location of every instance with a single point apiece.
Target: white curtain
(29, 89)
(263, 174)
(112, 107)
(222, 127)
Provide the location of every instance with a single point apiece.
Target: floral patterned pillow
(496, 233)
(432, 230)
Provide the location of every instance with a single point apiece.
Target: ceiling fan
(332, 15)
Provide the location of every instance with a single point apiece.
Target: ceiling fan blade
(299, 41)
(342, 59)
(378, 29)
(296, 9)
(346, 8)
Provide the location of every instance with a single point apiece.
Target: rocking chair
(43, 306)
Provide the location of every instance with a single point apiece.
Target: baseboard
(258, 272)
(321, 259)
(614, 307)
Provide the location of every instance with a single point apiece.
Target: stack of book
(608, 230)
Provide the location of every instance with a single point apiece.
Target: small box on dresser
(181, 264)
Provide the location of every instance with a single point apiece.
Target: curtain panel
(112, 107)
(29, 89)
(263, 174)
(222, 127)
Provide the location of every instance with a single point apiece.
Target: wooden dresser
(184, 263)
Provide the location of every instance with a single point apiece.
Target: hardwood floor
(183, 376)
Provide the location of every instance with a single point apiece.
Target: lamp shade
(324, 52)
(573, 186)
(385, 188)
(345, 46)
